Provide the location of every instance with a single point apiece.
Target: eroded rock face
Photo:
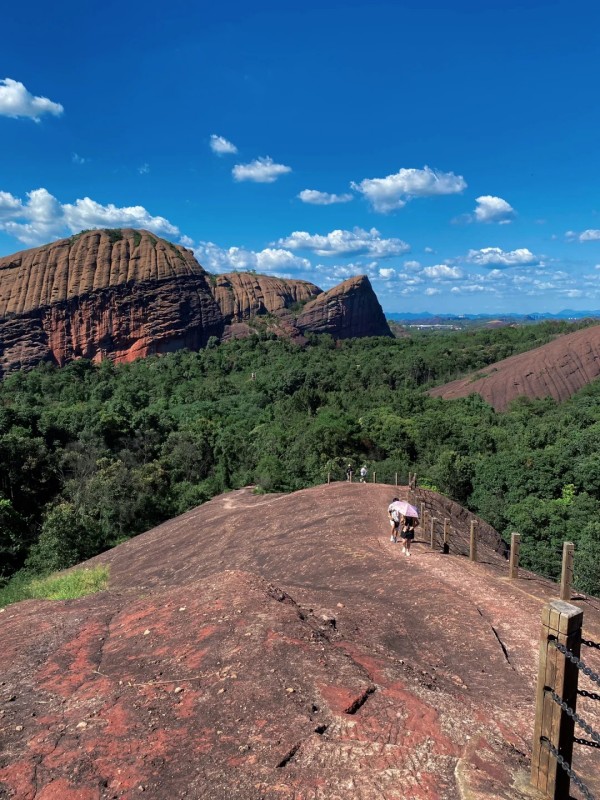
(349, 309)
(557, 369)
(242, 295)
(125, 294)
(118, 294)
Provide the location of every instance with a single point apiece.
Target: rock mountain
(125, 294)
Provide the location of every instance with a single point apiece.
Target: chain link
(578, 661)
(589, 643)
(586, 742)
(591, 695)
(567, 768)
(569, 711)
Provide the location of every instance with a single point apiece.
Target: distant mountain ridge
(124, 294)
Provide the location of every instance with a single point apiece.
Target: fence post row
(473, 548)
(566, 576)
(433, 521)
(561, 623)
(515, 543)
(446, 542)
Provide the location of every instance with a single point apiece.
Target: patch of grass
(114, 234)
(137, 238)
(57, 586)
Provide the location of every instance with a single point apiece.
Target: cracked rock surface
(280, 647)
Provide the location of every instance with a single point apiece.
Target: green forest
(92, 454)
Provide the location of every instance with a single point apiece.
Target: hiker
(408, 533)
(363, 473)
(394, 516)
(349, 473)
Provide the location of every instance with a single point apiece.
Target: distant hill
(558, 370)
(123, 294)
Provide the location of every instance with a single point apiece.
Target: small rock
(182, 608)
(178, 689)
(146, 632)
(221, 691)
(290, 690)
(340, 605)
(81, 725)
(18, 727)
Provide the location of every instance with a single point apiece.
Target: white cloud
(470, 288)
(589, 236)
(493, 209)
(394, 191)
(16, 101)
(261, 170)
(323, 198)
(239, 259)
(77, 159)
(340, 243)
(221, 146)
(144, 169)
(43, 217)
(428, 250)
(573, 293)
(431, 291)
(412, 265)
(495, 257)
(387, 273)
(443, 272)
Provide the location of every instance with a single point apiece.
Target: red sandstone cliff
(124, 294)
(557, 369)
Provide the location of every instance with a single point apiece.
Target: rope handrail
(567, 768)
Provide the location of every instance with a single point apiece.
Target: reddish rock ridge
(120, 294)
(242, 295)
(557, 369)
(349, 309)
(124, 294)
(281, 647)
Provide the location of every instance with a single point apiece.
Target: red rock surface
(124, 294)
(558, 370)
(349, 309)
(280, 647)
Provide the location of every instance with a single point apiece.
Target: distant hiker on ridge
(349, 473)
(363, 473)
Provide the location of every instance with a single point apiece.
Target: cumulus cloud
(16, 101)
(323, 198)
(443, 272)
(42, 217)
(77, 159)
(589, 236)
(261, 170)
(495, 257)
(239, 259)
(394, 191)
(221, 146)
(387, 273)
(340, 243)
(431, 291)
(493, 209)
(144, 169)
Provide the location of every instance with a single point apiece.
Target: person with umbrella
(402, 513)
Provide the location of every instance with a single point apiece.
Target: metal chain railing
(567, 768)
(589, 643)
(577, 661)
(586, 742)
(591, 695)
(574, 716)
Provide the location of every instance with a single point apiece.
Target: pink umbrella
(405, 508)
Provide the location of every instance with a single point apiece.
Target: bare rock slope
(557, 369)
(282, 648)
(124, 294)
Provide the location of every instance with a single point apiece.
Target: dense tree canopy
(92, 454)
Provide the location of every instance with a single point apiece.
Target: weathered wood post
(515, 543)
(433, 521)
(329, 477)
(396, 479)
(561, 623)
(566, 577)
(423, 513)
(446, 542)
(473, 548)
(374, 477)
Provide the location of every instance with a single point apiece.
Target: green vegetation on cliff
(93, 454)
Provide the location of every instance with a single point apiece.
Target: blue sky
(449, 151)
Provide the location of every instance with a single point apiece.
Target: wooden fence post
(473, 548)
(433, 520)
(374, 477)
(446, 542)
(515, 543)
(396, 479)
(566, 577)
(423, 513)
(561, 622)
